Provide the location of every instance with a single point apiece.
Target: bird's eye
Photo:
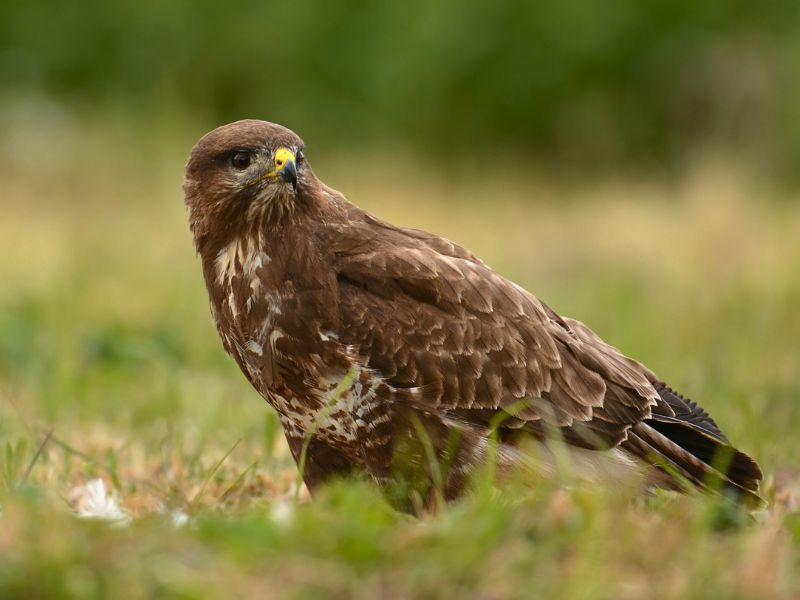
(240, 160)
(299, 156)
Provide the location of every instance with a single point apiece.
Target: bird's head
(245, 173)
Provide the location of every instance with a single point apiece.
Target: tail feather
(735, 465)
(691, 444)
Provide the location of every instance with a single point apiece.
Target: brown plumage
(380, 345)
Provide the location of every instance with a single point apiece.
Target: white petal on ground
(282, 512)
(92, 501)
(179, 518)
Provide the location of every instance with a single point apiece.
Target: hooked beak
(288, 173)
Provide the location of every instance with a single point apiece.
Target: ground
(110, 369)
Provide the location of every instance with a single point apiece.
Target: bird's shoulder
(351, 230)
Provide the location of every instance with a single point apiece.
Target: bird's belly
(332, 421)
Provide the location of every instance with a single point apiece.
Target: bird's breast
(296, 367)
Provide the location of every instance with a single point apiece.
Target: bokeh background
(634, 164)
(576, 82)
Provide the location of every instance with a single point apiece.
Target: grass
(110, 368)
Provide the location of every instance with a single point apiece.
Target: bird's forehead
(246, 134)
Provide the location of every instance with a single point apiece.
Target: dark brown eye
(240, 160)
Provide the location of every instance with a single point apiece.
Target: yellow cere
(282, 156)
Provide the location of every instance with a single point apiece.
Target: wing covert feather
(427, 314)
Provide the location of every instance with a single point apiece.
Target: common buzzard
(399, 354)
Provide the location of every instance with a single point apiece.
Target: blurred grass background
(634, 165)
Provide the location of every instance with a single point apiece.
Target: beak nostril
(288, 172)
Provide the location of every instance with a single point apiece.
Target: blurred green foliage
(582, 82)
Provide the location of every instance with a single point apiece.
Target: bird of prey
(398, 354)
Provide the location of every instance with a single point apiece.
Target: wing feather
(426, 313)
